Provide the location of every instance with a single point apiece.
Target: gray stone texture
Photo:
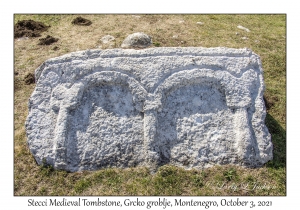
(107, 39)
(137, 40)
(189, 107)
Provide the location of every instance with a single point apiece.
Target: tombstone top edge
(158, 51)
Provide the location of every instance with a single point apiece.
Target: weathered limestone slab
(190, 107)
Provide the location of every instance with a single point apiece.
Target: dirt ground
(47, 40)
(29, 28)
(81, 21)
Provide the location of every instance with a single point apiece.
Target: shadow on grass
(278, 135)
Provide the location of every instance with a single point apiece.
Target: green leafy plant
(156, 44)
(81, 185)
(230, 174)
(46, 169)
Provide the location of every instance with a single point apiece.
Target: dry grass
(267, 38)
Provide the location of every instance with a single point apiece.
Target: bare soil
(29, 79)
(47, 40)
(270, 101)
(81, 21)
(29, 28)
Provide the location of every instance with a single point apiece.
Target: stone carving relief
(190, 107)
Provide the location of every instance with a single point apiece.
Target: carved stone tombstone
(190, 107)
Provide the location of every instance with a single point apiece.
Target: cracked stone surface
(190, 107)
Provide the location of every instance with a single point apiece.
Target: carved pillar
(69, 102)
(60, 146)
(150, 129)
(244, 139)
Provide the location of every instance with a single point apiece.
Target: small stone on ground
(106, 39)
(137, 40)
(243, 28)
(136, 16)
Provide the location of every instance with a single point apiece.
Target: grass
(267, 38)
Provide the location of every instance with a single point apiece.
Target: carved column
(150, 129)
(244, 138)
(60, 146)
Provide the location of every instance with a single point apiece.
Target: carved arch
(206, 76)
(72, 100)
(184, 78)
(234, 100)
(107, 77)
